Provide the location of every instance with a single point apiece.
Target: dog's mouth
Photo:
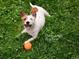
(27, 25)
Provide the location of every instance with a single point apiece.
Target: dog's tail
(31, 4)
(45, 12)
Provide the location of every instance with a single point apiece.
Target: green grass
(64, 21)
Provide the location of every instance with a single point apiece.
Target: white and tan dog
(34, 22)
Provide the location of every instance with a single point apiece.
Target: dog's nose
(27, 22)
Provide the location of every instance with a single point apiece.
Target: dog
(34, 22)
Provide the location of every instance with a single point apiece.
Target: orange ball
(28, 46)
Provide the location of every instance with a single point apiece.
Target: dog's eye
(25, 18)
(30, 18)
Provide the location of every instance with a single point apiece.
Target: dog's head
(28, 20)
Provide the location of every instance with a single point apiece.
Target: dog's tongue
(22, 13)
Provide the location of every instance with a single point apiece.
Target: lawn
(59, 39)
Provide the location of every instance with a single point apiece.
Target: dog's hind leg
(45, 12)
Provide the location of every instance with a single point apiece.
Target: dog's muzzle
(27, 25)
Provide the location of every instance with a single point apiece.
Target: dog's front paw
(26, 42)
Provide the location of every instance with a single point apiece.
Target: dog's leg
(21, 33)
(46, 13)
(31, 39)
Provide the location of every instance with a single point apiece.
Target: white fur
(38, 23)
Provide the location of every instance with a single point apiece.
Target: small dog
(34, 22)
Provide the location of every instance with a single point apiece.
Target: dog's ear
(33, 11)
(22, 13)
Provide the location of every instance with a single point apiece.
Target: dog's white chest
(30, 31)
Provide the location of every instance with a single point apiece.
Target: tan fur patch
(34, 10)
(22, 13)
(23, 18)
